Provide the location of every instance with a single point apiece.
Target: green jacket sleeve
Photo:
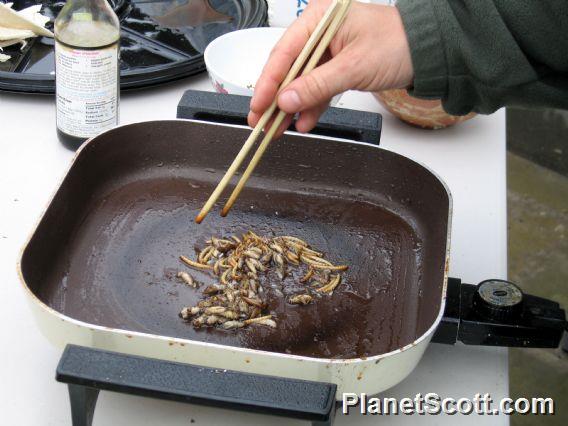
(480, 55)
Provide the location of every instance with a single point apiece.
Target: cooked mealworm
(214, 310)
(252, 320)
(268, 322)
(225, 275)
(312, 258)
(234, 275)
(331, 286)
(252, 234)
(330, 267)
(308, 275)
(293, 258)
(295, 239)
(299, 248)
(193, 264)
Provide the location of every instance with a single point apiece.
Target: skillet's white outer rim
(370, 375)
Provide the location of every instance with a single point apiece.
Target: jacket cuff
(426, 48)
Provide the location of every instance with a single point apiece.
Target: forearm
(480, 55)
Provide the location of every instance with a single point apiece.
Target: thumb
(318, 86)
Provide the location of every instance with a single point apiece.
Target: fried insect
(239, 263)
(229, 325)
(328, 288)
(300, 299)
(186, 278)
(187, 313)
(308, 275)
(193, 264)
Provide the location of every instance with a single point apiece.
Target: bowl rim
(213, 72)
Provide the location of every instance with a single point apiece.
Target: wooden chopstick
(312, 63)
(324, 23)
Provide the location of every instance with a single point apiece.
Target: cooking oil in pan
(87, 34)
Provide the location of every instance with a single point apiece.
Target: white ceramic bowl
(235, 60)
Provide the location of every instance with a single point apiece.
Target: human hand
(369, 52)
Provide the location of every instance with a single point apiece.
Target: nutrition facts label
(86, 89)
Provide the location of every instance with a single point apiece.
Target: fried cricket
(238, 299)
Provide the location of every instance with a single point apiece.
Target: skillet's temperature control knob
(498, 300)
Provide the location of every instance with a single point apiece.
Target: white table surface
(469, 157)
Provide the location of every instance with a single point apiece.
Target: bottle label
(86, 83)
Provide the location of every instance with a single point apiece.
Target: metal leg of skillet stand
(86, 371)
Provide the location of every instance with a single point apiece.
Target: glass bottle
(87, 34)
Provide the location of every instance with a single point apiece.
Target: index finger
(284, 54)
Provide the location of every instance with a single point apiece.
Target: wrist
(406, 69)
(426, 48)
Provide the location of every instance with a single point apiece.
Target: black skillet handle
(497, 313)
(344, 123)
(86, 371)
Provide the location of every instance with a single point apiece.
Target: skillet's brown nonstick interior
(107, 250)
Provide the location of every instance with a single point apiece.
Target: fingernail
(290, 100)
